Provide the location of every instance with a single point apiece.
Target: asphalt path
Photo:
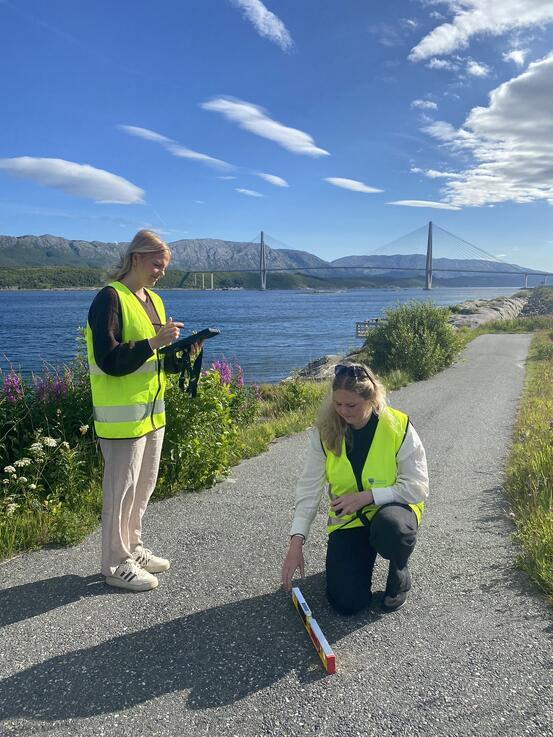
(219, 650)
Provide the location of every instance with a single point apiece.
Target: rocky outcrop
(472, 314)
(320, 369)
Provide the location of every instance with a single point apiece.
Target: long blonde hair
(360, 380)
(145, 241)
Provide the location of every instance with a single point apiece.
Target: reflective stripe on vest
(379, 471)
(128, 413)
(131, 405)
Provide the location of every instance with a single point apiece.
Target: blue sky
(336, 127)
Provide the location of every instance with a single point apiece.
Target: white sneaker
(150, 562)
(129, 575)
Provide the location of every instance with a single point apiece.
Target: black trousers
(351, 553)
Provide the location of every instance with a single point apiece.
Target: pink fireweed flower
(13, 388)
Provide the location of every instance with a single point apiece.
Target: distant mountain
(209, 254)
(203, 254)
(447, 267)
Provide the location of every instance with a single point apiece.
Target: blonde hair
(145, 241)
(360, 380)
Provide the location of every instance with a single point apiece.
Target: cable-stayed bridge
(428, 250)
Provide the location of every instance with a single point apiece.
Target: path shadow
(31, 599)
(218, 655)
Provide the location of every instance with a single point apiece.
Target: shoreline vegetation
(50, 471)
(89, 278)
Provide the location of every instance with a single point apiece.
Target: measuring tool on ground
(324, 651)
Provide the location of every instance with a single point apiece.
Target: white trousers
(130, 474)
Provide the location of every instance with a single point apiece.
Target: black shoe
(393, 603)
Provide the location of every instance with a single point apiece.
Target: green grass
(530, 468)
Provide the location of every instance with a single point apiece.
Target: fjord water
(268, 333)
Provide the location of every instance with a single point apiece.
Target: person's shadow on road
(218, 656)
(32, 599)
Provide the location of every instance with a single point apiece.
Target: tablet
(183, 344)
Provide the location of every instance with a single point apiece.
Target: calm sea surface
(267, 333)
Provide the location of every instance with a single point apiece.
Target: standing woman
(375, 465)
(126, 327)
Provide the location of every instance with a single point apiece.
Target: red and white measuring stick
(320, 642)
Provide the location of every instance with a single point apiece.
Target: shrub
(199, 436)
(416, 338)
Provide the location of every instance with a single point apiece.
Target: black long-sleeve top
(114, 357)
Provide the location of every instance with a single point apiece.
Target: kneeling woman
(375, 465)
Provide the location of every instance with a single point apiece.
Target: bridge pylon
(262, 263)
(428, 283)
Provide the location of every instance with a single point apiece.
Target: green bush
(543, 352)
(199, 435)
(416, 338)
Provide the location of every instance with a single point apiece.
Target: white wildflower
(21, 462)
(65, 445)
(5, 482)
(32, 487)
(9, 469)
(49, 442)
(23, 479)
(83, 429)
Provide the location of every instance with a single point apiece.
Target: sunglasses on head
(356, 372)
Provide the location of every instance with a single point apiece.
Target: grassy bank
(529, 482)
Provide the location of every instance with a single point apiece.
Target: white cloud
(449, 66)
(273, 179)
(147, 135)
(477, 69)
(186, 153)
(501, 255)
(226, 177)
(252, 118)
(267, 24)
(474, 18)
(174, 148)
(80, 180)
(409, 23)
(509, 140)
(424, 105)
(351, 184)
(516, 55)
(249, 192)
(434, 174)
(424, 203)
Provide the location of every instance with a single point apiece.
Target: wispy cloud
(173, 147)
(424, 105)
(254, 119)
(509, 142)
(249, 192)
(446, 64)
(227, 177)
(267, 24)
(273, 179)
(424, 203)
(434, 174)
(80, 180)
(351, 184)
(478, 69)
(473, 18)
(516, 55)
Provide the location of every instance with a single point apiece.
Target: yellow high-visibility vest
(132, 405)
(380, 469)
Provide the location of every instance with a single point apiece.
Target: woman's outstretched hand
(292, 562)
